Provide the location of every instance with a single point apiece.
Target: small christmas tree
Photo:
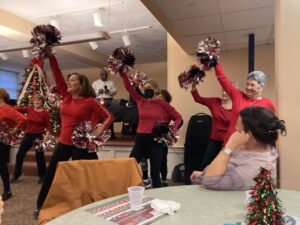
(264, 207)
(36, 82)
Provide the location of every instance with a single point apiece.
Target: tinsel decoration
(41, 145)
(208, 53)
(264, 207)
(42, 36)
(192, 76)
(7, 138)
(163, 132)
(122, 60)
(82, 138)
(138, 78)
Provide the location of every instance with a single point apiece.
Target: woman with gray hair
(251, 97)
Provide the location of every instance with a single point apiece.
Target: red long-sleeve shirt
(37, 122)
(151, 110)
(220, 116)
(73, 111)
(12, 117)
(239, 100)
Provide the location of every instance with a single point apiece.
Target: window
(9, 81)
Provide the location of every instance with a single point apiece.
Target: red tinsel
(42, 36)
(122, 60)
(208, 53)
(41, 145)
(138, 78)
(82, 138)
(7, 138)
(191, 76)
(163, 132)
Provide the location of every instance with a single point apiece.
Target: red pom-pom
(7, 138)
(42, 36)
(192, 76)
(41, 145)
(122, 60)
(163, 132)
(82, 138)
(208, 53)
(138, 78)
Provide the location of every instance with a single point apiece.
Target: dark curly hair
(263, 124)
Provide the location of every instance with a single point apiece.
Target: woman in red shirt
(151, 110)
(14, 119)
(240, 100)
(38, 123)
(79, 105)
(220, 109)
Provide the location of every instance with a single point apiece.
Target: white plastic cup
(135, 194)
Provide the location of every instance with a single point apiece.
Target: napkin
(164, 206)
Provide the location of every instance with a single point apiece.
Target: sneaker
(6, 195)
(15, 178)
(164, 183)
(36, 213)
(147, 183)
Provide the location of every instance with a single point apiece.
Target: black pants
(61, 153)
(212, 150)
(25, 145)
(4, 159)
(146, 147)
(163, 168)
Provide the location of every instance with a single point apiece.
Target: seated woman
(248, 149)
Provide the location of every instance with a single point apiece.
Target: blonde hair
(39, 97)
(4, 94)
(155, 84)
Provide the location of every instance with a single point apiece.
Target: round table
(198, 206)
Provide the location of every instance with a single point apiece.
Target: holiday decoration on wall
(264, 207)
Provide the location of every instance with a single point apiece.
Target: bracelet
(228, 151)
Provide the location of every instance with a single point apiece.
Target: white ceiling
(149, 45)
(230, 21)
(188, 21)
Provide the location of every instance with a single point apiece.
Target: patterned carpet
(18, 209)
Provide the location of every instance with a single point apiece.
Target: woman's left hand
(98, 131)
(237, 139)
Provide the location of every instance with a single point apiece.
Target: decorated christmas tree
(36, 82)
(264, 207)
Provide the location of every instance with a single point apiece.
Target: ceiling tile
(198, 26)
(178, 9)
(241, 36)
(239, 5)
(248, 19)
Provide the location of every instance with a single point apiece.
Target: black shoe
(15, 178)
(36, 213)
(164, 183)
(6, 195)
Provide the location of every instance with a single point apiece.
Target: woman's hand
(237, 139)
(194, 87)
(49, 50)
(195, 175)
(98, 131)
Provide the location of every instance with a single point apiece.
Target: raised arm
(198, 98)
(226, 84)
(129, 88)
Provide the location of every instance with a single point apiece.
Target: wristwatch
(227, 151)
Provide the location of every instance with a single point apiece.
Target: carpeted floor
(18, 209)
